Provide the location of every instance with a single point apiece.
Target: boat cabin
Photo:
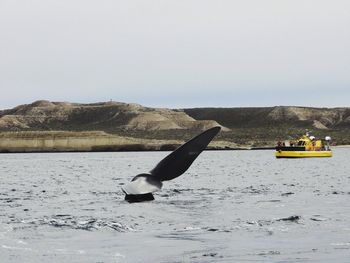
(305, 143)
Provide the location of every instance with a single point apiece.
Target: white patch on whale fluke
(140, 186)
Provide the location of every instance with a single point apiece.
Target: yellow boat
(306, 146)
(302, 154)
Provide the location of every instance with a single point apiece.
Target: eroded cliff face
(63, 141)
(46, 115)
(107, 116)
(320, 118)
(302, 117)
(64, 126)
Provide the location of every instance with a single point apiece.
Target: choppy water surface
(230, 206)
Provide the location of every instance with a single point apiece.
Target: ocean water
(230, 206)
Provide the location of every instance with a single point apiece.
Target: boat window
(301, 143)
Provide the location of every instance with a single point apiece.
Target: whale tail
(175, 164)
(141, 188)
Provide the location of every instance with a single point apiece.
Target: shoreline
(92, 141)
(105, 151)
(142, 149)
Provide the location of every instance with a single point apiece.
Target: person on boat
(326, 146)
(312, 144)
(318, 145)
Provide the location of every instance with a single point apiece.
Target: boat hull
(302, 154)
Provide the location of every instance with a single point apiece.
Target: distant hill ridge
(302, 117)
(46, 115)
(109, 116)
(241, 127)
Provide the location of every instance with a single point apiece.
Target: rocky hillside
(241, 127)
(298, 117)
(262, 127)
(109, 116)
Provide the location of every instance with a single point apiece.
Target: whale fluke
(175, 164)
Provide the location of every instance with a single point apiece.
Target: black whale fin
(181, 159)
(176, 163)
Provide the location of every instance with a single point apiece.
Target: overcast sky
(180, 53)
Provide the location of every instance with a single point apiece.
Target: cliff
(108, 116)
(63, 126)
(303, 117)
(263, 126)
(60, 141)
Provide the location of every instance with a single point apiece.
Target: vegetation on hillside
(252, 127)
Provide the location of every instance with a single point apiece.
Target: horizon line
(156, 105)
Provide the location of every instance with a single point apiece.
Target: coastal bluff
(45, 126)
(63, 141)
(105, 116)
